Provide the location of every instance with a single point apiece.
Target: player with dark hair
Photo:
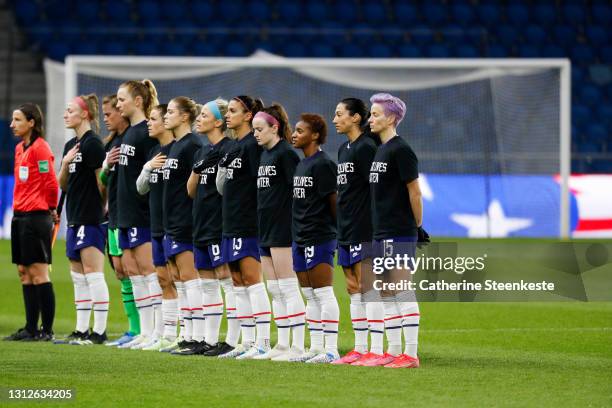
(237, 183)
(87, 229)
(314, 237)
(34, 212)
(274, 187)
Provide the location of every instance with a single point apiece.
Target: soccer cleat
(148, 342)
(218, 349)
(45, 336)
(18, 335)
(237, 351)
(367, 358)
(254, 353)
(271, 353)
(75, 335)
(171, 346)
(375, 360)
(288, 355)
(97, 338)
(324, 358)
(305, 356)
(404, 361)
(158, 344)
(193, 348)
(137, 340)
(126, 338)
(349, 358)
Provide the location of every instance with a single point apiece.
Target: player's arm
(101, 187)
(66, 160)
(192, 184)
(416, 200)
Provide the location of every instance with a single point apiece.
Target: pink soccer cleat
(380, 361)
(404, 361)
(366, 359)
(348, 358)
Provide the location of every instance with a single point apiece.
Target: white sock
(330, 315)
(260, 304)
(360, 323)
(393, 328)
(185, 311)
(213, 309)
(313, 317)
(170, 317)
(82, 301)
(193, 289)
(143, 304)
(233, 324)
(376, 323)
(245, 315)
(290, 291)
(99, 296)
(155, 291)
(280, 313)
(410, 326)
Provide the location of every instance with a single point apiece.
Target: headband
(267, 117)
(79, 101)
(214, 108)
(242, 103)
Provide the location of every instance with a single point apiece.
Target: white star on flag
(499, 224)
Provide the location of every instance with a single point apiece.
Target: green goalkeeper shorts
(113, 242)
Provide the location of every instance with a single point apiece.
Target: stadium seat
(597, 133)
(466, 51)
(434, 13)
(374, 12)
(258, 11)
(202, 11)
(580, 115)
(529, 51)
(496, 51)
(517, 14)
(88, 11)
(294, 49)
(589, 147)
(508, 35)
(113, 48)
(89, 47)
(379, 51)
(204, 49)
(602, 13)
(149, 13)
(544, 14)
(590, 95)
(422, 35)
(604, 112)
(175, 11)
(603, 166)
(437, 51)
(58, 50)
(564, 35)
(553, 51)
(405, 13)
(597, 35)
(317, 10)
(409, 51)
(26, 12)
(582, 54)
(463, 14)
(290, 12)
(573, 13)
(489, 14)
(351, 51)
(535, 35)
(118, 8)
(322, 50)
(231, 11)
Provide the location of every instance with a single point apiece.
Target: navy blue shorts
(349, 254)
(132, 237)
(234, 249)
(84, 236)
(208, 257)
(173, 248)
(390, 247)
(159, 255)
(305, 258)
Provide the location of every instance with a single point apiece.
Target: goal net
(492, 136)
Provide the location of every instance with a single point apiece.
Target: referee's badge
(43, 166)
(23, 173)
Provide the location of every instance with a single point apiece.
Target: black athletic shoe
(218, 349)
(74, 336)
(96, 338)
(194, 348)
(21, 335)
(45, 336)
(184, 343)
(185, 349)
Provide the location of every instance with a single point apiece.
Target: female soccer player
(177, 214)
(208, 227)
(355, 225)
(314, 237)
(34, 202)
(87, 229)
(239, 190)
(116, 125)
(274, 185)
(397, 214)
(151, 181)
(135, 100)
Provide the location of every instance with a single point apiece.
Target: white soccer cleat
(171, 345)
(158, 344)
(273, 352)
(254, 353)
(305, 356)
(324, 358)
(238, 351)
(144, 344)
(134, 341)
(288, 355)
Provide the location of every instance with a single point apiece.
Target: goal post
(466, 117)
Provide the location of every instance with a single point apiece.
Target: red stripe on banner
(359, 320)
(594, 225)
(412, 314)
(81, 301)
(376, 321)
(281, 317)
(296, 315)
(215, 304)
(262, 313)
(329, 321)
(393, 318)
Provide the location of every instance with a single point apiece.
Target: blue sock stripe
(393, 327)
(297, 325)
(314, 329)
(278, 326)
(100, 310)
(215, 314)
(359, 329)
(84, 308)
(231, 317)
(330, 331)
(377, 331)
(411, 325)
(142, 307)
(247, 325)
(261, 322)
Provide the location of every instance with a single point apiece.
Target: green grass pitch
(472, 354)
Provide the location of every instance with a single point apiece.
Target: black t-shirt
(240, 190)
(274, 186)
(111, 183)
(83, 200)
(207, 221)
(314, 180)
(394, 165)
(133, 208)
(178, 206)
(354, 213)
(156, 192)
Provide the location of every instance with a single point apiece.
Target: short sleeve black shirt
(156, 192)
(111, 184)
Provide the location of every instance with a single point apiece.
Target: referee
(34, 202)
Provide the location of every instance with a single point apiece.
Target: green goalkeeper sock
(130, 306)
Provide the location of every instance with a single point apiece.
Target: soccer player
(135, 100)
(116, 125)
(177, 214)
(397, 214)
(34, 202)
(87, 230)
(274, 187)
(237, 183)
(355, 224)
(151, 181)
(314, 237)
(208, 227)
